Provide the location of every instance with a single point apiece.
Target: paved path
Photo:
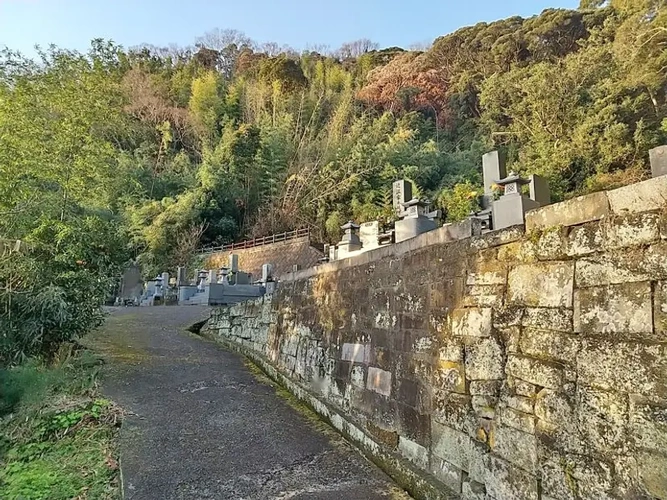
(202, 426)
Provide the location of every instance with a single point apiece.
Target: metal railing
(258, 242)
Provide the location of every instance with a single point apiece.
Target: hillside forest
(148, 153)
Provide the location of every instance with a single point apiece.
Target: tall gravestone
(494, 168)
(131, 285)
(402, 193)
(658, 157)
(539, 190)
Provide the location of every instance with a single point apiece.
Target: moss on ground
(58, 437)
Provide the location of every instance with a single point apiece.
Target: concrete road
(200, 425)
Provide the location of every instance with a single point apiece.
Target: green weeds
(57, 436)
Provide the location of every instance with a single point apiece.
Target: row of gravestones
(208, 283)
(503, 204)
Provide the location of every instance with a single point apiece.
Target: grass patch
(57, 435)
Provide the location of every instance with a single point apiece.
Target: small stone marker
(658, 157)
(267, 272)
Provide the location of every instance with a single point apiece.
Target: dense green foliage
(56, 434)
(148, 153)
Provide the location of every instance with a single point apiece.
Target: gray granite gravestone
(658, 157)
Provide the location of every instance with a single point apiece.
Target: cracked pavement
(200, 425)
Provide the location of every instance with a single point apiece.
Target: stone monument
(350, 242)
(510, 208)
(414, 215)
(658, 157)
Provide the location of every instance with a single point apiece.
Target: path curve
(200, 425)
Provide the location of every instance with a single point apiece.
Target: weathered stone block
(569, 213)
(660, 311)
(585, 240)
(655, 261)
(450, 376)
(519, 448)
(379, 381)
(472, 322)
(487, 272)
(535, 371)
(652, 467)
(484, 406)
(449, 474)
(484, 296)
(648, 423)
(414, 424)
(451, 445)
(541, 285)
(519, 251)
(387, 437)
(511, 338)
(484, 387)
(484, 360)
(521, 387)
(358, 376)
(602, 419)
(555, 408)
(473, 490)
(615, 309)
(290, 345)
(414, 452)
(356, 353)
(552, 244)
(455, 411)
(497, 238)
(548, 319)
(507, 316)
(451, 350)
(550, 345)
(558, 437)
(631, 230)
(640, 197)
(508, 482)
(479, 461)
(520, 403)
(606, 269)
(570, 477)
(409, 392)
(524, 422)
(624, 366)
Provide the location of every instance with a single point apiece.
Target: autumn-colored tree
(407, 84)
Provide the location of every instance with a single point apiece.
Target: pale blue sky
(73, 23)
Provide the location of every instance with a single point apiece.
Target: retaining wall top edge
(443, 235)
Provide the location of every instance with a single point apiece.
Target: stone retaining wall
(507, 366)
(282, 255)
